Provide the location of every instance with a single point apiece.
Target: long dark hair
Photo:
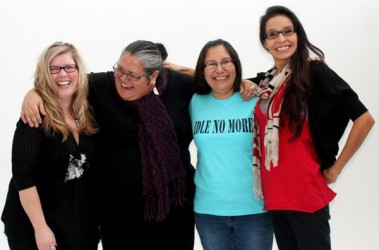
(298, 90)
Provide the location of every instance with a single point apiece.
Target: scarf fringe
(157, 208)
(257, 183)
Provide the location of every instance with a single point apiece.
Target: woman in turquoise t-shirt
(227, 213)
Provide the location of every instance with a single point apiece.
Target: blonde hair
(54, 123)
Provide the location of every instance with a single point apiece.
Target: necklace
(77, 122)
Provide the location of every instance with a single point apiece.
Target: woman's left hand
(330, 175)
(248, 89)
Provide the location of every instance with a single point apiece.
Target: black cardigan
(333, 103)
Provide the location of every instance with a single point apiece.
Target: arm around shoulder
(175, 67)
(32, 108)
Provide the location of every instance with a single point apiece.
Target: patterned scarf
(269, 89)
(162, 170)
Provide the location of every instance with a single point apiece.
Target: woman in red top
(303, 110)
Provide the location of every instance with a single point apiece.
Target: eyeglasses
(67, 69)
(287, 31)
(225, 63)
(119, 73)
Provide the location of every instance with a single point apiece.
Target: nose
(62, 73)
(281, 37)
(219, 67)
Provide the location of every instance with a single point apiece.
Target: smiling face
(66, 83)
(222, 77)
(132, 82)
(283, 47)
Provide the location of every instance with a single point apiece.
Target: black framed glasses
(286, 31)
(68, 69)
(225, 63)
(120, 72)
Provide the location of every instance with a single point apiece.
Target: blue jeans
(245, 232)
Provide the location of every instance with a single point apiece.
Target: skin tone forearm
(31, 203)
(179, 68)
(359, 131)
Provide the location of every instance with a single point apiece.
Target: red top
(296, 183)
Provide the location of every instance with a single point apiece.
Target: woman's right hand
(32, 108)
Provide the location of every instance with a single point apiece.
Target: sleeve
(257, 79)
(190, 85)
(98, 84)
(26, 148)
(94, 82)
(332, 105)
(183, 83)
(333, 93)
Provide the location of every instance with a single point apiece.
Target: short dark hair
(201, 85)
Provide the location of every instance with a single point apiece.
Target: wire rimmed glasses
(120, 72)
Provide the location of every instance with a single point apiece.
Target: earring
(155, 90)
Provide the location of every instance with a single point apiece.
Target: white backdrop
(347, 32)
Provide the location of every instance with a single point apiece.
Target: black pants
(302, 231)
(122, 228)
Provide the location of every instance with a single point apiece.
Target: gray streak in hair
(148, 53)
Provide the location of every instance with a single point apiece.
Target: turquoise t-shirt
(223, 135)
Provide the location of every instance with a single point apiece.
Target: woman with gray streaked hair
(146, 177)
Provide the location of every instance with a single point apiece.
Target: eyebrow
(125, 71)
(223, 59)
(290, 26)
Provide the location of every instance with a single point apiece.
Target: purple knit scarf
(162, 170)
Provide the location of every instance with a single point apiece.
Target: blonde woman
(48, 201)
